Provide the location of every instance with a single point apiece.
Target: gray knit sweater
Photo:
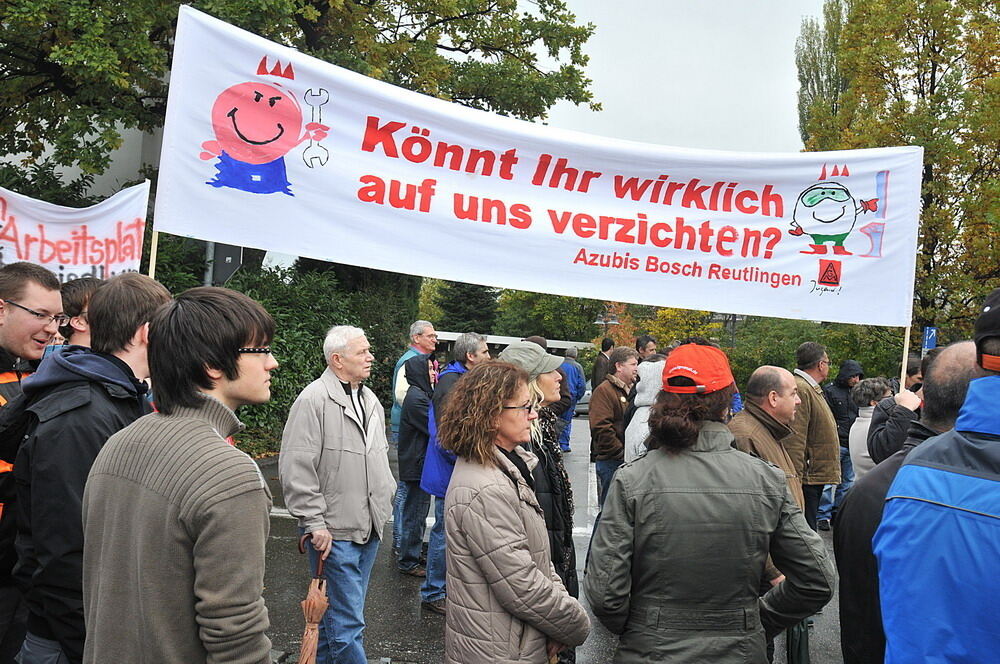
(175, 524)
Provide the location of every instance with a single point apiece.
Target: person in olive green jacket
(814, 445)
(677, 558)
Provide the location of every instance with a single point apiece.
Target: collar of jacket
(335, 388)
(618, 382)
(10, 363)
(917, 433)
(506, 467)
(713, 437)
(773, 426)
(979, 413)
(213, 411)
(809, 380)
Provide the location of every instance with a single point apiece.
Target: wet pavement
(399, 631)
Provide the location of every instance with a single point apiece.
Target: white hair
(419, 326)
(337, 339)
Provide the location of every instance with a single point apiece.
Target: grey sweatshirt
(175, 524)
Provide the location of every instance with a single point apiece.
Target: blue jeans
(397, 513)
(433, 587)
(567, 426)
(37, 650)
(831, 500)
(605, 471)
(416, 503)
(347, 570)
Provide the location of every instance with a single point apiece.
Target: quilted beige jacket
(504, 598)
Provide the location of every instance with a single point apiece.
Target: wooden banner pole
(154, 243)
(906, 354)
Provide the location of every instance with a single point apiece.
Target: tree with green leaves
(75, 73)
(523, 313)
(914, 72)
(467, 307)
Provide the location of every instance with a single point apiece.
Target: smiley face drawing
(256, 125)
(827, 212)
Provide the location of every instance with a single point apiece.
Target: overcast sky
(718, 74)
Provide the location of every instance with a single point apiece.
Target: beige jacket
(504, 598)
(334, 468)
(814, 446)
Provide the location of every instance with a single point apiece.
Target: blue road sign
(930, 337)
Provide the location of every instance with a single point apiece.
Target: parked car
(583, 405)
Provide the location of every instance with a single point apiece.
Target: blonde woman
(505, 602)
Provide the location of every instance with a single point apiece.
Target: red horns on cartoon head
(276, 70)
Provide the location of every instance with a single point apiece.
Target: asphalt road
(400, 632)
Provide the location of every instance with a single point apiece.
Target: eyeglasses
(58, 319)
(262, 350)
(527, 408)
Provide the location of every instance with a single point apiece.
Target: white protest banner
(269, 148)
(97, 241)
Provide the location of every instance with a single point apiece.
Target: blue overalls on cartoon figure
(256, 124)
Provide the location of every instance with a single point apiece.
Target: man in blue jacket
(939, 540)
(470, 350)
(577, 385)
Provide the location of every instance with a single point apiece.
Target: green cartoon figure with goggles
(826, 212)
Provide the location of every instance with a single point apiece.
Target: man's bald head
(774, 390)
(946, 383)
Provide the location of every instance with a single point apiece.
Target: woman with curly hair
(505, 602)
(677, 558)
(552, 485)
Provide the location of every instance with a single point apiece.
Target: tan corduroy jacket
(761, 435)
(814, 446)
(505, 600)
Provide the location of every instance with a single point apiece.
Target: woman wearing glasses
(552, 485)
(505, 601)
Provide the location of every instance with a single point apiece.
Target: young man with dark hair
(602, 366)
(70, 407)
(607, 417)
(30, 315)
(171, 502)
(76, 296)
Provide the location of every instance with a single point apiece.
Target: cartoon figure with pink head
(256, 124)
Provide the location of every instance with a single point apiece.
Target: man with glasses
(171, 504)
(70, 407)
(30, 315)
(814, 447)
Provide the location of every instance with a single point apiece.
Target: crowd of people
(133, 530)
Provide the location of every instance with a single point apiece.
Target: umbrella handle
(302, 549)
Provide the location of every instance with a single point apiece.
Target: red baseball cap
(707, 366)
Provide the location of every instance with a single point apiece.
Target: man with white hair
(334, 470)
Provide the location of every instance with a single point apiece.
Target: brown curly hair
(675, 419)
(472, 412)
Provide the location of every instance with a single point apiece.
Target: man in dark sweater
(175, 518)
(70, 407)
(30, 314)
(945, 386)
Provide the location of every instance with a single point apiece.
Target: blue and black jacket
(938, 545)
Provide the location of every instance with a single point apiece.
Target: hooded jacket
(862, 639)
(439, 463)
(645, 394)
(504, 598)
(939, 541)
(74, 402)
(413, 429)
(838, 396)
